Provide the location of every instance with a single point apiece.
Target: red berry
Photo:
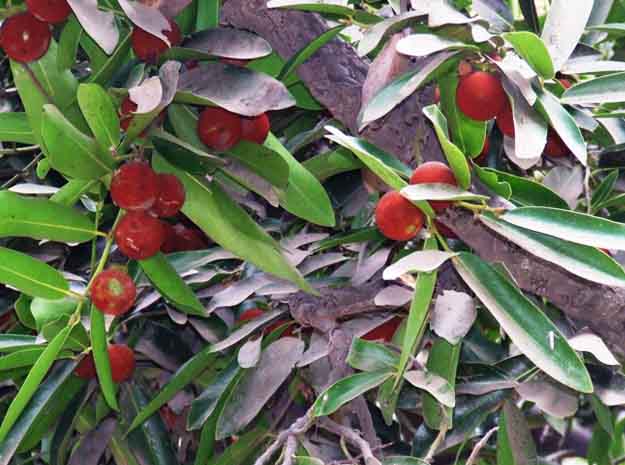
(24, 38)
(555, 147)
(86, 368)
(397, 218)
(219, 129)
(139, 235)
(149, 48)
(384, 332)
(481, 158)
(135, 186)
(180, 238)
(505, 120)
(50, 11)
(565, 83)
(171, 196)
(234, 62)
(122, 360)
(480, 96)
(255, 129)
(434, 172)
(113, 292)
(250, 314)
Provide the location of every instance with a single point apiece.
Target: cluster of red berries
(399, 219)
(146, 196)
(122, 360)
(149, 48)
(221, 130)
(26, 36)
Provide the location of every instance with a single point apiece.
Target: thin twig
(289, 450)
(437, 442)
(479, 446)
(300, 426)
(351, 436)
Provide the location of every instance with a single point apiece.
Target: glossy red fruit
(122, 360)
(397, 218)
(24, 38)
(480, 96)
(180, 238)
(139, 235)
(255, 129)
(50, 11)
(219, 129)
(149, 48)
(481, 158)
(171, 196)
(505, 120)
(434, 172)
(135, 186)
(555, 147)
(86, 368)
(113, 292)
(384, 332)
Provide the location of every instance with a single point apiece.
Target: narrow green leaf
(532, 48)
(603, 414)
(599, 447)
(112, 64)
(370, 356)
(373, 35)
(100, 114)
(207, 14)
(68, 44)
(604, 89)
(523, 191)
(15, 127)
(12, 342)
(604, 189)
(101, 357)
(528, 8)
(184, 155)
(328, 164)
(20, 358)
(443, 361)
(515, 445)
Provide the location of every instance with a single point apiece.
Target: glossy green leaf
(328, 164)
(100, 114)
(603, 414)
(68, 44)
(529, 46)
(12, 342)
(207, 14)
(523, 191)
(112, 64)
(71, 192)
(599, 447)
(171, 286)
(417, 192)
(267, 163)
(347, 389)
(443, 361)
(61, 441)
(20, 358)
(588, 262)
(526, 325)
(604, 89)
(515, 445)
(576, 227)
(229, 225)
(15, 127)
(184, 155)
(101, 357)
(603, 191)
(22, 216)
(490, 179)
(370, 356)
(46, 311)
(436, 386)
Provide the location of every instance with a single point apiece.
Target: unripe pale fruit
(397, 218)
(505, 120)
(434, 172)
(255, 129)
(219, 129)
(122, 360)
(135, 186)
(139, 235)
(24, 38)
(113, 292)
(555, 147)
(480, 96)
(149, 48)
(171, 196)
(385, 331)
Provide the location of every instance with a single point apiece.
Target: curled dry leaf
(593, 344)
(249, 353)
(420, 261)
(155, 93)
(393, 296)
(453, 315)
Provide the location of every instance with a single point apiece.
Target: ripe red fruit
(86, 368)
(480, 96)
(149, 48)
(434, 172)
(255, 129)
(24, 38)
(113, 292)
(135, 186)
(397, 218)
(180, 238)
(384, 332)
(555, 147)
(505, 120)
(171, 196)
(50, 11)
(122, 360)
(139, 235)
(219, 129)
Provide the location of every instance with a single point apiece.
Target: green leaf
(528, 8)
(321, 6)
(588, 262)
(46, 311)
(418, 192)
(100, 114)
(604, 189)
(436, 386)
(603, 414)
(304, 196)
(456, 159)
(42, 219)
(443, 361)
(604, 89)
(532, 48)
(599, 447)
(230, 226)
(184, 155)
(207, 14)
(347, 389)
(68, 44)
(32, 382)
(70, 151)
(523, 191)
(31, 276)
(370, 356)
(71, 192)
(12, 342)
(491, 180)
(328, 164)
(113, 63)
(61, 440)
(526, 325)
(101, 357)
(171, 286)
(268, 164)
(15, 127)
(373, 35)
(20, 358)
(515, 445)
(576, 227)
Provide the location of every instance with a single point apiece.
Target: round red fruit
(122, 360)
(180, 238)
(434, 172)
(481, 158)
(50, 11)
(397, 218)
(86, 368)
(24, 38)
(555, 147)
(505, 120)
(171, 196)
(480, 96)
(255, 129)
(126, 110)
(135, 186)
(219, 129)
(384, 332)
(139, 235)
(113, 292)
(148, 47)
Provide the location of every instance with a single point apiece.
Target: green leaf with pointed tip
(101, 116)
(184, 155)
(443, 361)
(46, 311)
(373, 36)
(492, 181)
(15, 127)
(438, 191)
(526, 324)
(328, 164)
(604, 89)
(533, 49)
(370, 356)
(68, 44)
(515, 445)
(12, 342)
(524, 191)
(101, 357)
(111, 64)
